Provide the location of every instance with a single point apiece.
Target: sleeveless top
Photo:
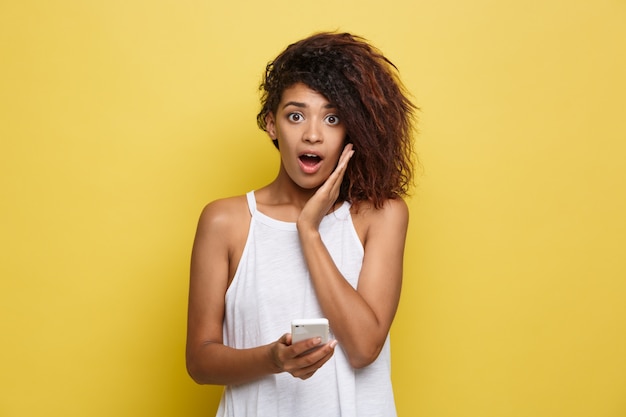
(270, 288)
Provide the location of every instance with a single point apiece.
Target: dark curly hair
(371, 102)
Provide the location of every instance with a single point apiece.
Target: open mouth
(309, 162)
(310, 159)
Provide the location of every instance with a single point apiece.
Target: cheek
(339, 141)
(336, 154)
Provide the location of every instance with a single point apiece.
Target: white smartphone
(303, 329)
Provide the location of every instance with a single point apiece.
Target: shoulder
(391, 218)
(223, 214)
(394, 209)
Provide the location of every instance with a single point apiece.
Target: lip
(307, 162)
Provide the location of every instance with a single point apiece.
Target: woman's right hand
(301, 359)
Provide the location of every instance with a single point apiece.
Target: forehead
(301, 93)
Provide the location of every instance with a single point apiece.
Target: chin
(309, 185)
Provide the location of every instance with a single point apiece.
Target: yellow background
(119, 120)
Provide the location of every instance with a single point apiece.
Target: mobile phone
(303, 329)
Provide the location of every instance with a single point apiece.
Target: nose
(312, 133)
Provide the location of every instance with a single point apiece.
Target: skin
(304, 122)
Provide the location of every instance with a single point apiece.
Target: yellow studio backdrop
(119, 120)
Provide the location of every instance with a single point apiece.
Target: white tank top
(272, 287)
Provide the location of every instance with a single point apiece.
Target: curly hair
(371, 101)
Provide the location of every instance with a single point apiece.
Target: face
(310, 135)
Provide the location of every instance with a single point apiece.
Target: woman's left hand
(324, 198)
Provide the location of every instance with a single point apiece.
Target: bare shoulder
(394, 209)
(392, 217)
(223, 215)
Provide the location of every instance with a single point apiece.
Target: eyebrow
(303, 105)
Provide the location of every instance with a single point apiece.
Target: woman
(324, 239)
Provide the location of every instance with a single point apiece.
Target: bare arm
(360, 318)
(209, 361)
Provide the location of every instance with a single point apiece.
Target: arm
(360, 318)
(218, 239)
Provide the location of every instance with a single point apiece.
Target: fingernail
(333, 344)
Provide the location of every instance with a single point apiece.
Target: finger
(336, 177)
(346, 154)
(314, 360)
(315, 354)
(281, 351)
(285, 339)
(343, 161)
(306, 345)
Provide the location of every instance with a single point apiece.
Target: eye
(295, 117)
(332, 119)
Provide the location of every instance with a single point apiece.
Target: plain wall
(119, 120)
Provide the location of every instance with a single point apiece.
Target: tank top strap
(251, 202)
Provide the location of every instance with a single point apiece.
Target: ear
(270, 125)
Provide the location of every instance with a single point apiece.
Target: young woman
(324, 239)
